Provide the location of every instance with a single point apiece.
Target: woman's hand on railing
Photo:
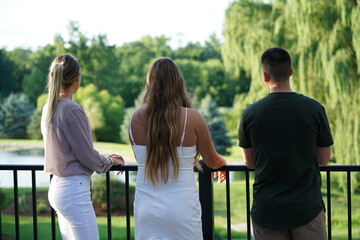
(117, 160)
(220, 175)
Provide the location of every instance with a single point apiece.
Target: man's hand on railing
(220, 175)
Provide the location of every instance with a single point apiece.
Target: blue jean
(70, 197)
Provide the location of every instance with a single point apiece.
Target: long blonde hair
(63, 72)
(164, 95)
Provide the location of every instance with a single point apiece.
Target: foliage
(324, 45)
(15, 112)
(215, 124)
(41, 101)
(8, 82)
(124, 128)
(41, 206)
(35, 76)
(23, 206)
(19, 57)
(34, 128)
(105, 111)
(135, 59)
(117, 196)
(2, 199)
(323, 39)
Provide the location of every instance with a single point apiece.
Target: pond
(23, 157)
(31, 157)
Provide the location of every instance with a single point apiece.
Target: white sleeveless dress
(168, 211)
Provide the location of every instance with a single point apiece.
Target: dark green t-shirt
(284, 130)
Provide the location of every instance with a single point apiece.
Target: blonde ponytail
(62, 73)
(54, 85)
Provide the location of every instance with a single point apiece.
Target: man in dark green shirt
(285, 137)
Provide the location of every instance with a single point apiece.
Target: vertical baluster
(248, 204)
(349, 204)
(1, 232)
(53, 220)
(33, 184)
(108, 205)
(16, 205)
(127, 192)
(328, 194)
(206, 197)
(228, 212)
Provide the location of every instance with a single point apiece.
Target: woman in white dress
(167, 137)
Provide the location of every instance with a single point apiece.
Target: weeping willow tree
(323, 38)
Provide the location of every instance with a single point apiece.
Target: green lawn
(44, 227)
(238, 216)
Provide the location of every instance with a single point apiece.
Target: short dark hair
(277, 63)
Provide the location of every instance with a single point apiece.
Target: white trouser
(70, 197)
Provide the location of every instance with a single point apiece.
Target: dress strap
(183, 133)
(130, 131)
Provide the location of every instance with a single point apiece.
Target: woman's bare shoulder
(194, 115)
(139, 113)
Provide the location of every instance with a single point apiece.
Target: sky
(34, 23)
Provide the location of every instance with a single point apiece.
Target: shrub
(15, 112)
(33, 129)
(41, 206)
(23, 207)
(2, 199)
(117, 193)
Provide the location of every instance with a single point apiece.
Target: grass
(124, 149)
(44, 227)
(238, 216)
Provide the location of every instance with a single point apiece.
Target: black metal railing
(205, 195)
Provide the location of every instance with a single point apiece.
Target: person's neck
(275, 89)
(66, 94)
(279, 87)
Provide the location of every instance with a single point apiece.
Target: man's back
(284, 130)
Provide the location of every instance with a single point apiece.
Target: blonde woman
(167, 136)
(69, 153)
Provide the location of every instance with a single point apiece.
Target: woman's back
(168, 210)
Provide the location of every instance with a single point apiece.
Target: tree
(323, 39)
(8, 82)
(215, 82)
(135, 59)
(114, 111)
(215, 124)
(35, 81)
(191, 71)
(20, 58)
(34, 127)
(15, 114)
(105, 112)
(124, 128)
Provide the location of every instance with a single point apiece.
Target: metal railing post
(34, 204)
(16, 205)
(206, 197)
(108, 206)
(53, 219)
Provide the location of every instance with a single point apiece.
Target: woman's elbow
(250, 165)
(216, 163)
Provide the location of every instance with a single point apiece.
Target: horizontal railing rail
(205, 195)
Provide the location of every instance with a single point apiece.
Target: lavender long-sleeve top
(68, 142)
